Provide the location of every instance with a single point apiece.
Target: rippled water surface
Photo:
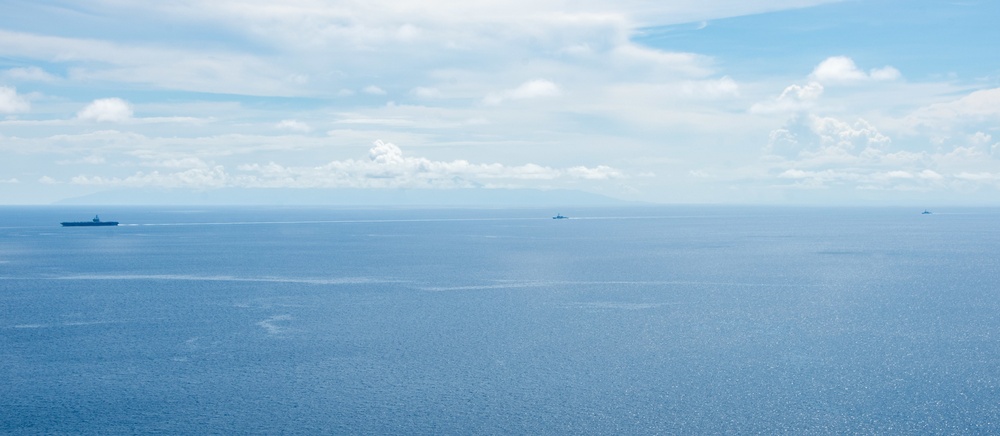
(669, 320)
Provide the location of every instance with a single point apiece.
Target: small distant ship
(560, 217)
(925, 212)
(92, 223)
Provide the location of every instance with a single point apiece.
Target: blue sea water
(658, 320)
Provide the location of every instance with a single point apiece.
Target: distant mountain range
(347, 197)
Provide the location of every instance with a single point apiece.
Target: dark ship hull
(96, 222)
(89, 224)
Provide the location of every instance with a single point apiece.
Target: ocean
(639, 320)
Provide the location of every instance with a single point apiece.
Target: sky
(811, 102)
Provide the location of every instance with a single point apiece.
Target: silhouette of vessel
(92, 223)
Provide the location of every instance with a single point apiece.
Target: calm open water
(667, 320)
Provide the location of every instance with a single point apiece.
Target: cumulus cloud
(10, 102)
(481, 52)
(811, 91)
(943, 147)
(839, 134)
(980, 138)
(815, 135)
(843, 69)
(204, 178)
(386, 167)
(106, 109)
(531, 89)
(975, 146)
(793, 98)
(385, 153)
(824, 152)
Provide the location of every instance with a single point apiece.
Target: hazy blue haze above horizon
(847, 102)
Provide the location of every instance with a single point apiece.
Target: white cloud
(10, 102)
(619, 102)
(373, 90)
(310, 48)
(980, 138)
(816, 136)
(722, 87)
(426, 92)
(577, 50)
(470, 26)
(981, 105)
(192, 69)
(942, 147)
(532, 89)
(675, 63)
(656, 102)
(897, 174)
(106, 109)
(293, 126)
(205, 178)
(978, 145)
(600, 172)
(824, 152)
(88, 160)
(843, 69)
(820, 178)
(385, 153)
(978, 177)
(408, 33)
(793, 98)
(930, 175)
(33, 74)
(838, 68)
(188, 162)
(812, 91)
(862, 179)
(386, 167)
(885, 73)
(839, 134)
